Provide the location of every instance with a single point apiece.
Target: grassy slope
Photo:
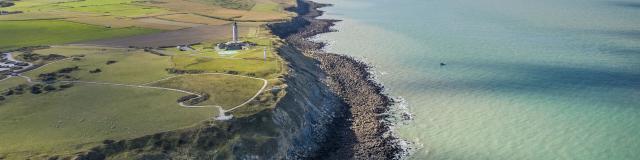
(226, 91)
(11, 82)
(17, 34)
(87, 114)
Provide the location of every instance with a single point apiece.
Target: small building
(184, 48)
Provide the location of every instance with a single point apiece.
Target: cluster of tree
(6, 3)
(186, 98)
(33, 89)
(194, 99)
(32, 57)
(40, 88)
(17, 90)
(97, 70)
(28, 49)
(179, 71)
(53, 76)
(232, 72)
(68, 69)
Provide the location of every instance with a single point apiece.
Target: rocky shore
(362, 131)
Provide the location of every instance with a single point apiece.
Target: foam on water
(525, 79)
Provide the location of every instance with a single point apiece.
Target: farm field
(65, 21)
(16, 34)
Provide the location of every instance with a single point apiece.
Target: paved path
(222, 111)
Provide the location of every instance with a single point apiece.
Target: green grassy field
(246, 62)
(225, 90)
(16, 34)
(123, 10)
(130, 67)
(11, 82)
(80, 117)
(266, 6)
(72, 120)
(233, 4)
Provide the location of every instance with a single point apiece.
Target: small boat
(443, 64)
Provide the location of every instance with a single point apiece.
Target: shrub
(233, 72)
(97, 70)
(8, 92)
(68, 69)
(6, 4)
(178, 71)
(48, 77)
(49, 88)
(35, 89)
(186, 98)
(52, 57)
(68, 85)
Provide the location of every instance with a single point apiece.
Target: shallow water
(525, 79)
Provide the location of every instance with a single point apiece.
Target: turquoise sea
(525, 79)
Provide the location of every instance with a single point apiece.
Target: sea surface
(523, 80)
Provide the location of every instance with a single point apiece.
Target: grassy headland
(57, 113)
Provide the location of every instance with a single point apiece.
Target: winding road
(222, 111)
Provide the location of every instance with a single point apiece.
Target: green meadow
(16, 34)
(266, 7)
(130, 66)
(225, 90)
(233, 4)
(67, 121)
(80, 117)
(120, 10)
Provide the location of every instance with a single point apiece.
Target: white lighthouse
(235, 43)
(264, 54)
(235, 32)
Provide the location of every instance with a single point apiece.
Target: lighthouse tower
(235, 32)
(264, 54)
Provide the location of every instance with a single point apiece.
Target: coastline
(363, 131)
(333, 109)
